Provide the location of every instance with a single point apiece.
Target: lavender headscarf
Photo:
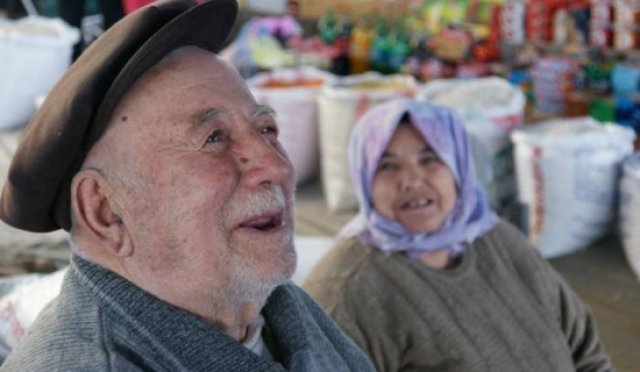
(443, 130)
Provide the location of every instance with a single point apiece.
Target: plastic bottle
(379, 48)
(360, 47)
(398, 47)
(327, 28)
(340, 60)
(417, 56)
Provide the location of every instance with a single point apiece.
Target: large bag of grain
(340, 106)
(34, 53)
(630, 211)
(293, 94)
(28, 296)
(568, 172)
(490, 108)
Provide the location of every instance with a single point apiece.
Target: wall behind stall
(316, 8)
(266, 6)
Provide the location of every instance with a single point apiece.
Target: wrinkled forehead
(181, 79)
(180, 68)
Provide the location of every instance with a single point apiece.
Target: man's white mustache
(257, 203)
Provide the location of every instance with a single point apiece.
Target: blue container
(624, 80)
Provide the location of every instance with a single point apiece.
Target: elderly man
(178, 197)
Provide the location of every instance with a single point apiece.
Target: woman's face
(411, 184)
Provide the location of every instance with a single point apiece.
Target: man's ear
(97, 214)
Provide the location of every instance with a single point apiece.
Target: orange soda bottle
(360, 47)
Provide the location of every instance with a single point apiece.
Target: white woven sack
(630, 211)
(340, 106)
(567, 173)
(20, 307)
(35, 52)
(12, 239)
(490, 108)
(310, 250)
(296, 109)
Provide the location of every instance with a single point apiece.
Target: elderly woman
(426, 277)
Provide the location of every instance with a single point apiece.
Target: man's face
(208, 189)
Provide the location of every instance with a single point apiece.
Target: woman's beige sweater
(502, 309)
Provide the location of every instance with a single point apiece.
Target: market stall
(548, 91)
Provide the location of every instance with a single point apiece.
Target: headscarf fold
(442, 129)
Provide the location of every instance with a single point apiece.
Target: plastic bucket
(35, 52)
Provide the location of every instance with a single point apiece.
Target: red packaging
(601, 11)
(539, 20)
(131, 5)
(601, 36)
(625, 38)
(512, 21)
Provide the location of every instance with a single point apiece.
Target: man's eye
(216, 137)
(270, 130)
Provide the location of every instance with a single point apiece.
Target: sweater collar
(176, 335)
(307, 340)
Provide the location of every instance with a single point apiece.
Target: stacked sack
(630, 211)
(568, 172)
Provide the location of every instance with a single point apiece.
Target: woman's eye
(386, 166)
(430, 159)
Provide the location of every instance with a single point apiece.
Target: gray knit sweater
(501, 309)
(101, 322)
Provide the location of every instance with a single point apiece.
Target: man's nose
(263, 163)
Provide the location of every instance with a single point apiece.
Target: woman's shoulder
(508, 250)
(351, 266)
(505, 235)
(349, 257)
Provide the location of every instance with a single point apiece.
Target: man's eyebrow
(209, 113)
(264, 110)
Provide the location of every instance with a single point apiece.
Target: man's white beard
(247, 285)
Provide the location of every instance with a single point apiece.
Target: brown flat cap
(36, 196)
